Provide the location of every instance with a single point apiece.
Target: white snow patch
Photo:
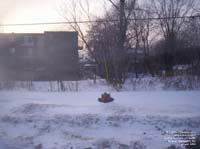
(77, 119)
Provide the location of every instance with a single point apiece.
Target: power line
(99, 21)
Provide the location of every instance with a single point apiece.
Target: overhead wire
(99, 21)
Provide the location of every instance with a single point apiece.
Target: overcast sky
(33, 11)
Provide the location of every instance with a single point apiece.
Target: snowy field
(178, 83)
(64, 120)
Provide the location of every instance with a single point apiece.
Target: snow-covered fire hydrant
(105, 98)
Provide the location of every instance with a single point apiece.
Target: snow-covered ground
(135, 84)
(62, 120)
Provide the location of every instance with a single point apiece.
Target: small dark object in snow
(105, 98)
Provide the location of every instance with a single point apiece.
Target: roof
(38, 33)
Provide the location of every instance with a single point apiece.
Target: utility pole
(121, 52)
(122, 25)
(120, 55)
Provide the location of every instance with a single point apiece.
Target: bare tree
(75, 11)
(172, 17)
(189, 41)
(108, 38)
(146, 31)
(103, 38)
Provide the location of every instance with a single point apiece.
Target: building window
(28, 40)
(12, 50)
(28, 52)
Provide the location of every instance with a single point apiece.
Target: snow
(147, 83)
(61, 120)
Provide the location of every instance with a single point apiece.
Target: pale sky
(34, 11)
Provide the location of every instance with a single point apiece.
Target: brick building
(34, 56)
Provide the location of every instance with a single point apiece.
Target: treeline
(157, 37)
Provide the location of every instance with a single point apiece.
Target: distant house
(34, 56)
